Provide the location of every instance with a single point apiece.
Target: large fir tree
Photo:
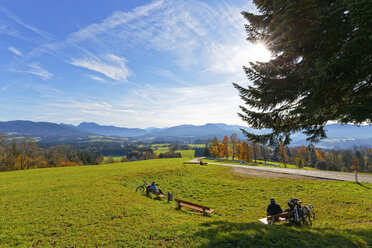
(320, 71)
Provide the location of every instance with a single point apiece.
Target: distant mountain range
(92, 127)
(342, 136)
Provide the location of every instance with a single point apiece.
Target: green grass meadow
(187, 153)
(97, 206)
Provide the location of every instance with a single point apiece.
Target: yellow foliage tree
(225, 151)
(245, 152)
(215, 148)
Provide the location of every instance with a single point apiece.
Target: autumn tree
(282, 153)
(245, 152)
(320, 70)
(234, 142)
(256, 149)
(225, 151)
(303, 155)
(313, 156)
(215, 147)
(264, 152)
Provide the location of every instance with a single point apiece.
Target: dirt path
(268, 174)
(292, 173)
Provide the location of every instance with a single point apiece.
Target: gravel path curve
(341, 176)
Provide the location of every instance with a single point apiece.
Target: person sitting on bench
(153, 186)
(274, 210)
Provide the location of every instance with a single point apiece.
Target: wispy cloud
(168, 75)
(39, 71)
(19, 21)
(110, 65)
(33, 68)
(191, 33)
(15, 51)
(180, 105)
(92, 109)
(151, 105)
(96, 78)
(116, 19)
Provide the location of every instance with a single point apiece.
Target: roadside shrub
(321, 165)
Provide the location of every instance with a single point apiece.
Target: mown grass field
(98, 206)
(163, 148)
(187, 153)
(116, 158)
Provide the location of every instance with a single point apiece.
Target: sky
(126, 63)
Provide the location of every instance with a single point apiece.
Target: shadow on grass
(364, 186)
(229, 234)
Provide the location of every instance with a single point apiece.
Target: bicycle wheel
(141, 189)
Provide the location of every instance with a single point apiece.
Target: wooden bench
(205, 210)
(277, 218)
(149, 190)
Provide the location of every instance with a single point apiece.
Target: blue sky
(126, 63)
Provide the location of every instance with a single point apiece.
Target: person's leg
(269, 219)
(160, 192)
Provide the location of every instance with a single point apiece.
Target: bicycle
(142, 188)
(300, 214)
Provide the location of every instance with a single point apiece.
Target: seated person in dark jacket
(274, 210)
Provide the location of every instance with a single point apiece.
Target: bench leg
(178, 205)
(204, 213)
(170, 197)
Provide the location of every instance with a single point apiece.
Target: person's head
(294, 199)
(153, 183)
(272, 200)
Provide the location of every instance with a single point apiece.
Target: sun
(259, 52)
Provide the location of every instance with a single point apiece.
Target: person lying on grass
(274, 211)
(153, 186)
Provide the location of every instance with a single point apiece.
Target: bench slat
(194, 206)
(197, 208)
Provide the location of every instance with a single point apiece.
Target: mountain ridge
(338, 135)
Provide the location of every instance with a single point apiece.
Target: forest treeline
(24, 153)
(20, 154)
(311, 156)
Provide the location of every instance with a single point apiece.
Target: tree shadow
(364, 186)
(253, 234)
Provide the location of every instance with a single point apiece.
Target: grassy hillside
(98, 206)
